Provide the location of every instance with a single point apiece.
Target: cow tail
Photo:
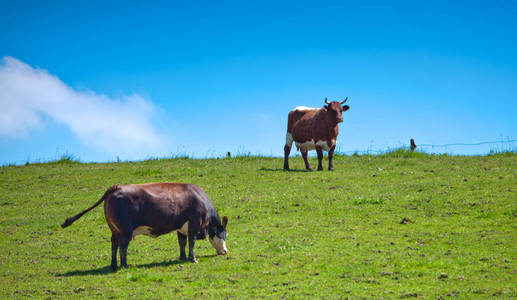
(71, 220)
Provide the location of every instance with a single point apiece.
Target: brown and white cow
(154, 209)
(314, 128)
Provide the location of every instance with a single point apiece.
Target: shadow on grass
(281, 170)
(99, 271)
(107, 269)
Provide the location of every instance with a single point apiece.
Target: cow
(313, 128)
(154, 209)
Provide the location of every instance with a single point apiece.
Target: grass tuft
(403, 153)
(65, 159)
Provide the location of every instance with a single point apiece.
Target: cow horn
(326, 101)
(344, 100)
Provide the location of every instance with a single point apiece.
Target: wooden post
(413, 145)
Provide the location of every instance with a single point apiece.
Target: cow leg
(182, 240)
(191, 243)
(114, 249)
(124, 243)
(287, 150)
(306, 160)
(331, 155)
(319, 151)
(194, 225)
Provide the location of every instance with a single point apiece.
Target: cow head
(217, 235)
(335, 110)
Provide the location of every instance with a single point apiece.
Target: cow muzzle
(219, 245)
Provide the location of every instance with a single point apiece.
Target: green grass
(397, 225)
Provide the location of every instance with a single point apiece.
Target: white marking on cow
(302, 108)
(184, 229)
(311, 145)
(332, 143)
(219, 245)
(289, 140)
(145, 230)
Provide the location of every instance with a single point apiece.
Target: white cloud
(121, 126)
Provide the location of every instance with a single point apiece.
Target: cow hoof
(287, 169)
(183, 258)
(114, 267)
(320, 169)
(193, 260)
(331, 169)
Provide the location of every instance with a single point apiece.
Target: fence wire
(507, 144)
(503, 145)
(467, 144)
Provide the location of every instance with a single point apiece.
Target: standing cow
(154, 209)
(313, 128)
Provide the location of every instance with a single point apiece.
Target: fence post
(413, 145)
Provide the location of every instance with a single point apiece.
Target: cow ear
(225, 221)
(346, 107)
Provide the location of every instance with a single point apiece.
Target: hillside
(395, 225)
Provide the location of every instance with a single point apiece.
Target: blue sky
(134, 80)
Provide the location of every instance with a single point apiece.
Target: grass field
(398, 225)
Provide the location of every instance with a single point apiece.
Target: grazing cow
(313, 128)
(154, 209)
